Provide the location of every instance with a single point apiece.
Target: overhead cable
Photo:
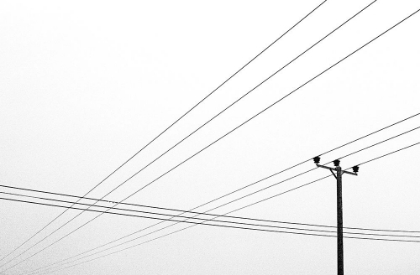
(170, 126)
(271, 197)
(127, 213)
(253, 193)
(315, 77)
(250, 194)
(180, 212)
(195, 154)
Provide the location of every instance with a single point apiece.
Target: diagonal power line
(148, 184)
(169, 127)
(205, 213)
(217, 217)
(276, 195)
(240, 198)
(352, 53)
(246, 186)
(223, 196)
(241, 208)
(219, 223)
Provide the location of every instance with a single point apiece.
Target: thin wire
(287, 179)
(376, 158)
(245, 196)
(193, 222)
(238, 227)
(309, 159)
(203, 221)
(390, 153)
(215, 217)
(374, 132)
(307, 171)
(181, 211)
(318, 235)
(335, 64)
(225, 109)
(175, 167)
(193, 218)
(279, 194)
(171, 125)
(373, 159)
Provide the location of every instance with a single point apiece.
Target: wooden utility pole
(340, 245)
(338, 174)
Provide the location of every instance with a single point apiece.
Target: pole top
(336, 162)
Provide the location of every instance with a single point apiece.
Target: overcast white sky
(85, 84)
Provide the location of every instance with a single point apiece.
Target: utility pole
(338, 174)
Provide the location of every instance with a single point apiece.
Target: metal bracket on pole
(325, 167)
(334, 169)
(332, 172)
(350, 173)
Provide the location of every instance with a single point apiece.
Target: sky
(86, 84)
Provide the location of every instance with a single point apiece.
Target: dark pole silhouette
(340, 248)
(338, 175)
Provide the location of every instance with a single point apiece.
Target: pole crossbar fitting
(332, 172)
(350, 173)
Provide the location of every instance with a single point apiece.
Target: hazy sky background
(85, 84)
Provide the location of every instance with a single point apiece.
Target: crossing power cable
(309, 81)
(181, 163)
(169, 127)
(218, 223)
(250, 194)
(268, 177)
(230, 193)
(56, 203)
(181, 212)
(249, 205)
(282, 193)
(161, 134)
(244, 187)
(271, 231)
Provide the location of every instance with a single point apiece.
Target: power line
(216, 216)
(363, 163)
(171, 125)
(203, 221)
(189, 218)
(183, 221)
(390, 153)
(324, 71)
(318, 235)
(236, 223)
(279, 194)
(206, 147)
(275, 184)
(312, 169)
(250, 194)
(180, 211)
(168, 129)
